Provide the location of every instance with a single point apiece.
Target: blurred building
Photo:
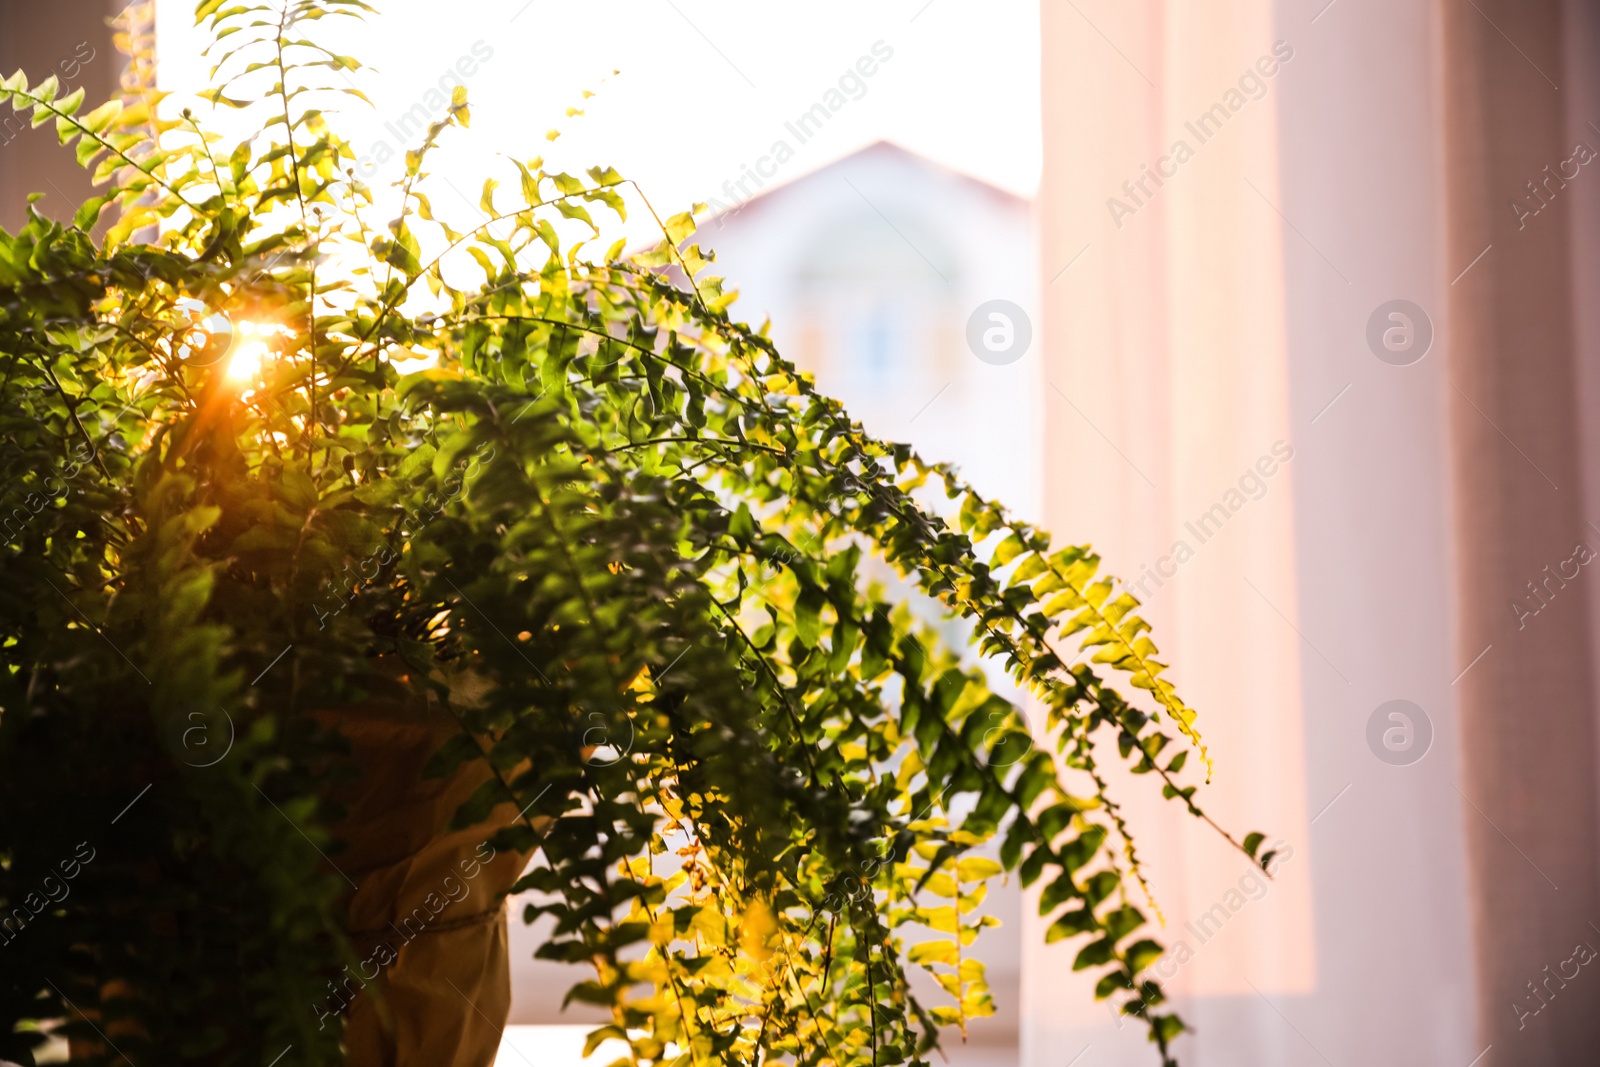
(72, 41)
(870, 270)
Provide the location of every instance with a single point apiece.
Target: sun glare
(245, 364)
(251, 355)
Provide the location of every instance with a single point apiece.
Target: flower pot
(427, 916)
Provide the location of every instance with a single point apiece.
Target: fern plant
(232, 501)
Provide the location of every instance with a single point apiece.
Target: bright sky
(705, 89)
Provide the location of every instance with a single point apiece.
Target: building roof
(881, 151)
